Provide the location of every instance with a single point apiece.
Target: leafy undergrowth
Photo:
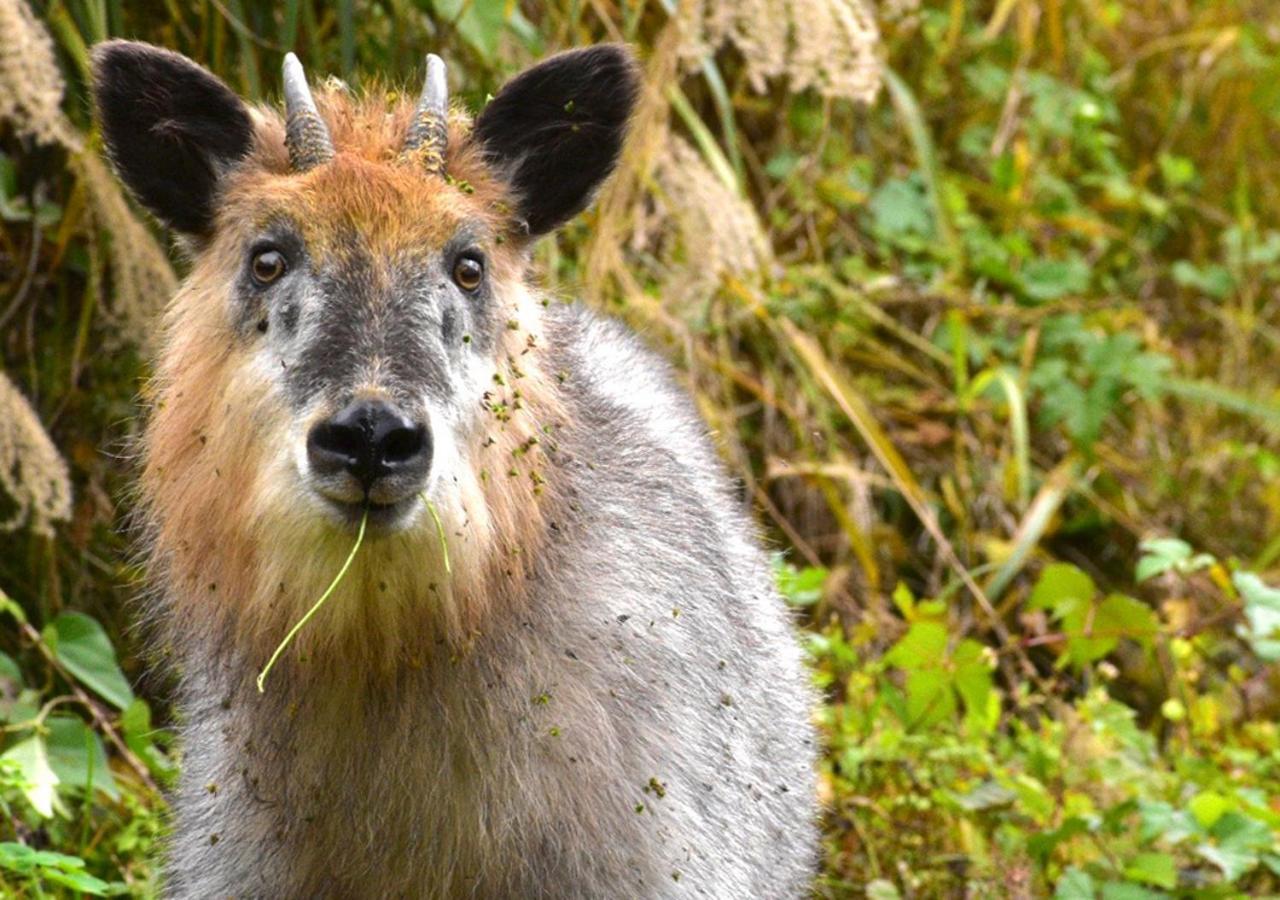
(942, 784)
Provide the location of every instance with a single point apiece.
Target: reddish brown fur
(242, 566)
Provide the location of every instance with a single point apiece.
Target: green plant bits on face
(444, 544)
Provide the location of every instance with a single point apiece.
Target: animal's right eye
(267, 266)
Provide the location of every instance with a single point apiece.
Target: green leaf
(882, 889)
(56, 868)
(900, 207)
(39, 780)
(1126, 617)
(1239, 842)
(924, 644)
(1052, 279)
(1208, 807)
(1262, 615)
(1233, 861)
(76, 755)
(480, 22)
(1159, 869)
(801, 587)
(1062, 588)
(1075, 884)
(80, 644)
(929, 697)
(973, 682)
(1121, 890)
(1161, 821)
(77, 881)
(9, 670)
(141, 738)
(987, 795)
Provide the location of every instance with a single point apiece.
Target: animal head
(356, 332)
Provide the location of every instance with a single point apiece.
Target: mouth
(383, 517)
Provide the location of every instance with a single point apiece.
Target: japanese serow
(557, 666)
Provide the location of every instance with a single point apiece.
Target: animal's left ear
(555, 130)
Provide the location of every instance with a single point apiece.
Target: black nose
(371, 440)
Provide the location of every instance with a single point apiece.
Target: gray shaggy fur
(654, 647)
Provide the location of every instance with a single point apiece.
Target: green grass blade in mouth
(293, 632)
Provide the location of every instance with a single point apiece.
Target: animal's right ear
(171, 128)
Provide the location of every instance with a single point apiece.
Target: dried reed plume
(31, 93)
(824, 45)
(32, 473)
(31, 86)
(142, 280)
(704, 229)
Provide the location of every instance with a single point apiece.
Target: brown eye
(267, 266)
(468, 272)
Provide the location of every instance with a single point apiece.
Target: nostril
(369, 440)
(402, 445)
(339, 441)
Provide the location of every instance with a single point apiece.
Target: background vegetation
(983, 302)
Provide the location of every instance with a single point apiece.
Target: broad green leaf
(1061, 588)
(80, 644)
(480, 22)
(40, 781)
(1052, 279)
(1123, 890)
(1262, 615)
(1233, 861)
(973, 682)
(141, 738)
(57, 868)
(1044, 843)
(77, 881)
(9, 670)
(1126, 617)
(1162, 555)
(924, 644)
(801, 587)
(1208, 807)
(1075, 884)
(987, 795)
(1159, 869)
(929, 697)
(882, 889)
(1161, 821)
(900, 207)
(76, 755)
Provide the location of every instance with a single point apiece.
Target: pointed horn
(305, 134)
(428, 135)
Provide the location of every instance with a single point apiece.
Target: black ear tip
(115, 54)
(611, 63)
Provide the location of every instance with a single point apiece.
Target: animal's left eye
(468, 272)
(267, 266)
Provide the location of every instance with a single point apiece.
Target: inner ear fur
(171, 128)
(554, 132)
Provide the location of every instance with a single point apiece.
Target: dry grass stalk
(32, 473)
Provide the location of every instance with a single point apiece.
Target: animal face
(374, 334)
(358, 282)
